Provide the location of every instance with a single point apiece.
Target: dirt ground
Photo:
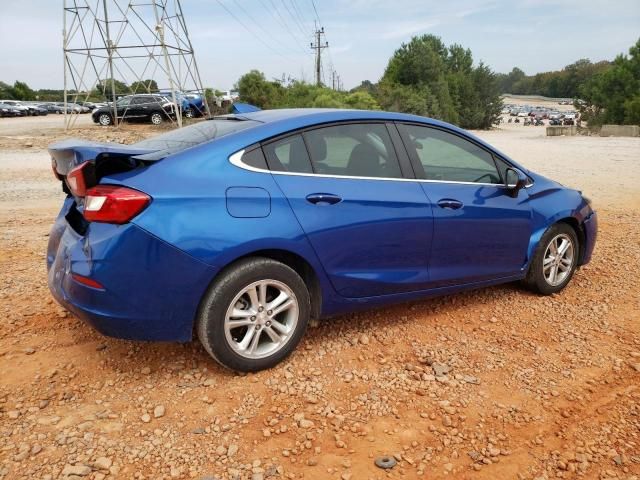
(536, 388)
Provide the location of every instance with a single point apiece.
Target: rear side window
(358, 150)
(288, 155)
(254, 158)
(186, 137)
(448, 157)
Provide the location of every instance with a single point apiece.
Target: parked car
(18, 106)
(71, 108)
(7, 110)
(192, 104)
(245, 227)
(569, 118)
(146, 107)
(38, 109)
(52, 108)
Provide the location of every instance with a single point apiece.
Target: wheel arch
(579, 230)
(566, 219)
(294, 261)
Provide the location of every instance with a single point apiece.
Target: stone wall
(558, 130)
(620, 131)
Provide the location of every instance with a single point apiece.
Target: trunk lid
(68, 154)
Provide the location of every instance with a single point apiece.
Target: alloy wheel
(105, 119)
(558, 259)
(156, 119)
(261, 319)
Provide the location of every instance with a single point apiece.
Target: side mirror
(515, 181)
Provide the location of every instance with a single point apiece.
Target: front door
(370, 228)
(480, 231)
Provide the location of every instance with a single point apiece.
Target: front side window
(288, 155)
(358, 150)
(448, 157)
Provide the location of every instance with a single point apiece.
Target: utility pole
(333, 79)
(318, 47)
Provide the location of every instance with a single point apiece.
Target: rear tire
(555, 260)
(254, 315)
(189, 113)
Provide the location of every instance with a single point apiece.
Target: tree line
(423, 77)
(426, 77)
(605, 92)
(565, 83)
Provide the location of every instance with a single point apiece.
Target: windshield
(124, 101)
(187, 137)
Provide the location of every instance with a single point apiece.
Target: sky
(231, 37)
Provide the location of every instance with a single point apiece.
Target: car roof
(280, 121)
(311, 116)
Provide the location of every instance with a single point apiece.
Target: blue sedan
(243, 227)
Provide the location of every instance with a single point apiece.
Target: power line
(248, 15)
(275, 12)
(250, 31)
(298, 12)
(313, 4)
(295, 20)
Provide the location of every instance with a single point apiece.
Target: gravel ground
(495, 383)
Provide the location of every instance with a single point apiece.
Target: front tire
(104, 119)
(555, 260)
(254, 314)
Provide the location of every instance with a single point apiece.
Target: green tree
(21, 91)
(451, 88)
(255, 89)
(489, 101)
(6, 92)
(508, 80)
(613, 95)
(361, 100)
(395, 97)
(103, 88)
(147, 86)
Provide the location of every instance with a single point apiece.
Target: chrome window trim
(236, 160)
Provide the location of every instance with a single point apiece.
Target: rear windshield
(177, 140)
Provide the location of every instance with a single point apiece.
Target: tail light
(55, 172)
(81, 178)
(114, 204)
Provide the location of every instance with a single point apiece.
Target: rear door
(139, 107)
(370, 226)
(480, 231)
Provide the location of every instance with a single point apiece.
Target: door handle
(450, 203)
(323, 198)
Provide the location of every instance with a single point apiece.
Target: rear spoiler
(244, 108)
(68, 154)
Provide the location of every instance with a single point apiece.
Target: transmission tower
(118, 47)
(318, 46)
